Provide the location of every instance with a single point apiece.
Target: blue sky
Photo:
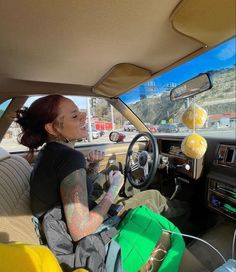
(221, 57)
(80, 102)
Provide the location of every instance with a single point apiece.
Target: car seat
(15, 214)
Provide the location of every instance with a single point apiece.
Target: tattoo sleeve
(80, 221)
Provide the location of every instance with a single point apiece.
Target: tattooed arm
(80, 221)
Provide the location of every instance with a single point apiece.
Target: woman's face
(70, 122)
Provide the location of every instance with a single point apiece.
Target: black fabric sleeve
(69, 161)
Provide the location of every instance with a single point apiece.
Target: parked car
(95, 134)
(182, 127)
(102, 132)
(151, 127)
(128, 126)
(168, 128)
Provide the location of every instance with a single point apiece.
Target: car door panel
(114, 152)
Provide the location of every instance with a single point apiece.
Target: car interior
(105, 49)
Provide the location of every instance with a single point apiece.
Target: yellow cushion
(194, 117)
(31, 258)
(194, 146)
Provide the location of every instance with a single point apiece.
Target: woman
(59, 175)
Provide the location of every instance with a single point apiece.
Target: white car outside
(128, 126)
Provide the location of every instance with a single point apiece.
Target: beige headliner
(75, 43)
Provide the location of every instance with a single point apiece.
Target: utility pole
(93, 105)
(112, 118)
(187, 102)
(90, 138)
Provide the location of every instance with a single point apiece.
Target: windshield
(151, 101)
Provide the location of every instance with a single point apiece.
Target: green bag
(138, 235)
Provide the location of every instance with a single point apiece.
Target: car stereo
(221, 197)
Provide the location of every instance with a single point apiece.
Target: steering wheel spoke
(134, 166)
(145, 171)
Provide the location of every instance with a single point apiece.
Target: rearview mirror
(191, 87)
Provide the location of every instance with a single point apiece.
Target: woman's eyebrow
(75, 111)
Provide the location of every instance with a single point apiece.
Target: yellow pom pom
(194, 116)
(194, 146)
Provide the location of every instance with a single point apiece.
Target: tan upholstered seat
(15, 214)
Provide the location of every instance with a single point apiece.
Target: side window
(3, 106)
(103, 119)
(9, 140)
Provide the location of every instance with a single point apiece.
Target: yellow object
(194, 116)
(194, 146)
(27, 258)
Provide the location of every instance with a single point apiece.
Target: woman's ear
(50, 128)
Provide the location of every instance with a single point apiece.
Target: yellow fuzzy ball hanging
(194, 146)
(194, 117)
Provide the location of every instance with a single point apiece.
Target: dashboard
(170, 149)
(217, 168)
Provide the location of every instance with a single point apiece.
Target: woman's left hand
(95, 156)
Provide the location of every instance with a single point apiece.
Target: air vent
(226, 155)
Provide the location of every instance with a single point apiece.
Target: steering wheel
(141, 166)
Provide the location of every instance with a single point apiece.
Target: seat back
(15, 214)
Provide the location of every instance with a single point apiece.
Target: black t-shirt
(55, 161)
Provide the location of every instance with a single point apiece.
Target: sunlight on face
(71, 123)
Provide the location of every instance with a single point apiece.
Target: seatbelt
(38, 230)
(113, 258)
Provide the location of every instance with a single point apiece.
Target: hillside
(220, 99)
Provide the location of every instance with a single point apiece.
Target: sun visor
(121, 78)
(208, 21)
